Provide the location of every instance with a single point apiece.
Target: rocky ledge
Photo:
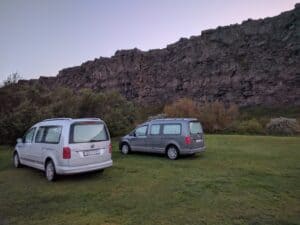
(253, 63)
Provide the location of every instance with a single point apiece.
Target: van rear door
(196, 133)
(89, 143)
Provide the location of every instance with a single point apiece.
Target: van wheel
(125, 149)
(16, 160)
(50, 172)
(172, 152)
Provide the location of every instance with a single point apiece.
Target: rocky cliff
(254, 63)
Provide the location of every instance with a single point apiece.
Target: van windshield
(196, 128)
(82, 132)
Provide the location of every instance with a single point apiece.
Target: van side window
(40, 134)
(141, 131)
(48, 134)
(172, 129)
(28, 137)
(53, 135)
(155, 129)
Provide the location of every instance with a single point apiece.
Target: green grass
(239, 180)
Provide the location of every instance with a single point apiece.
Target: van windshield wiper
(94, 140)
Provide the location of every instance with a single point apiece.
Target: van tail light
(110, 148)
(188, 140)
(66, 153)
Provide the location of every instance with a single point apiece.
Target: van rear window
(196, 128)
(83, 132)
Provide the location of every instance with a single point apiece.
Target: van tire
(50, 172)
(16, 160)
(125, 149)
(172, 152)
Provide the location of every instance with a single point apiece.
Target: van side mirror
(132, 133)
(19, 140)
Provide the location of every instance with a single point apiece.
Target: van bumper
(82, 169)
(192, 151)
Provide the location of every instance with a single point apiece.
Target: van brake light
(188, 140)
(66, 153)
(110, 148)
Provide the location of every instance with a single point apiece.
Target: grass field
(239, 180)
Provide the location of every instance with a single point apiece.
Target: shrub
(143, 112)
(158, 116)
(283, 126)
(14, 124)
(183, 107)
(118, 113)
(252, 126)
(12, 79)
(26, 105)
(214, 116)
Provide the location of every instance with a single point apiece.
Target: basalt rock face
(254, 63)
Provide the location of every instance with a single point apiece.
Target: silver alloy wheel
(125, 149)
(16, 160)
(172, 153)
(50, 171)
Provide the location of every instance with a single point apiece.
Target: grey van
(65, 146)
(170, 136)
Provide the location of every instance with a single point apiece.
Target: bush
(12, 79)
(214, 116)
(183, 107)
(26, 105)
(283, 126)
(248, 127)
(158, 116)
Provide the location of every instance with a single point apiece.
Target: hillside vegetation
(24, 105)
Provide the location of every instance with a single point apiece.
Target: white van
(65, 146)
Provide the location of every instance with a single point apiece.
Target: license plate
(93, 152)
(199, 140)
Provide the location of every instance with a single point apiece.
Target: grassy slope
(239, 180)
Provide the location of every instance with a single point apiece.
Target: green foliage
(143, 113)
(251, 126)
(22, 106)
(267, 112)
(218, 118)
(214, 116)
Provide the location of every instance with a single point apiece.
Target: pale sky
(39, 37)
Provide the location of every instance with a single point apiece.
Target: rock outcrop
(254, 63)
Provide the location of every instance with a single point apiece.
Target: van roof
(168, 120)
(63, 121)
(63, 118)
(173, 119)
